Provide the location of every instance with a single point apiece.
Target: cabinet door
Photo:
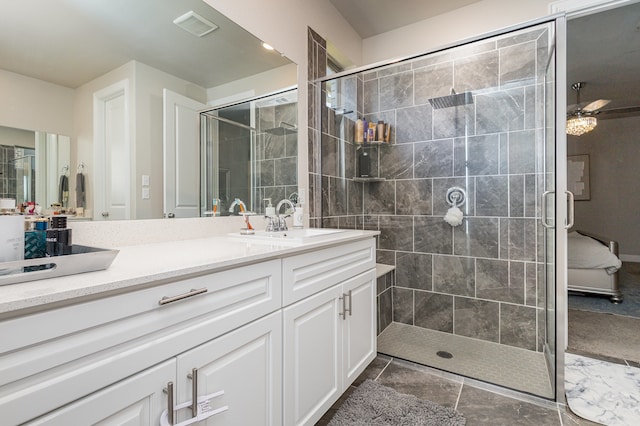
(359, 336)
(138, 400)
(247, 365)
(312, 356)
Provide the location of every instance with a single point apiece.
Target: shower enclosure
(249, 153)
(470, 127)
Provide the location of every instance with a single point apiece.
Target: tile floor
(481, 404)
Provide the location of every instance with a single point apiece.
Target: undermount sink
(293, 235)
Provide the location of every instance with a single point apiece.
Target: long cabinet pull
(169, 391)
(194, 391)
(350, 302)
(343, 314)
(171, 299)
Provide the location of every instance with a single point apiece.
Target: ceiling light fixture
(195, 24)
(579, 123)
(267, 46)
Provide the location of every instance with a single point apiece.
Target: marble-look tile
(481, 407)
(476, 318)
(385, 309)
(266, 172)
(286, 171)
(371, 96)
(500, 111)
(473, 49)
(522, 152)
(314, 198)
(476, 72)
(388, 257)
(520, 37)
(330, 222)
(518, 64)
(433, 159)
(432, 59)
(516, 195)
(433, 235)
(402, 305)
(455, 121)
(291, 145)
(531, 107)
(477, 155)
(454, 275)
(407, 379)
(492, 196)
(396, 161)
(531, 284)
(337, 196)
(433, 311)
(325, 196)
(518, 239)
(414, 124)
(433, 81)
(396, 91)
(331, 157)
(379, 198)
(355, 200)
(414, 270)
(477, 237)
(273, 146)
(313, 151)
(347, 222)
(602, 392)
(495, 282)
(396, 233)
(518, 326)
(394, 69)
(414, 197)
(531, 209)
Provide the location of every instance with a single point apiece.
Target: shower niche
(477, 117)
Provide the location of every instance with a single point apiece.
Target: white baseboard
(630, 258)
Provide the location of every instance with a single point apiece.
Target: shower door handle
(571, 213)
(543, 207)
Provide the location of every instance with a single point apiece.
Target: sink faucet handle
(283, 223)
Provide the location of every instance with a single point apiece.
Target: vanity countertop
(139, 265)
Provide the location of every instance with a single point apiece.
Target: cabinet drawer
(73, 351)
(310, 273)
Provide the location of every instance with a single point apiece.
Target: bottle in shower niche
(360, 123)
(364, 163)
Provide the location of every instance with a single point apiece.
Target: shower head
(452, 100)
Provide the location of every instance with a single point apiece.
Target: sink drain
(444, 354)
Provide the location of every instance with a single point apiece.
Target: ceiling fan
(581, 120)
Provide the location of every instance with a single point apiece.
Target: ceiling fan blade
(596, 105)
(619, 112)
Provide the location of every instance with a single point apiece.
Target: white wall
(614, 209)
(32, 104)
(473, 20)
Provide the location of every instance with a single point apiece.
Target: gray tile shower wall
(277, 151)
(7, 172)
(485, 278)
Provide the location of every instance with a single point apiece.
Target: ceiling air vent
(195, 24)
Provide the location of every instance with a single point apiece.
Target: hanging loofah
(454, 216)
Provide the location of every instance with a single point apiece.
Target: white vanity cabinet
(329, 337)
(61, 356)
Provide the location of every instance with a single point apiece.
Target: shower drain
(444, 354)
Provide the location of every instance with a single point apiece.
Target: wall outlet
(145, 194)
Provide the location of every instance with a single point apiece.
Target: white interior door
(112, 153)
(181, 155)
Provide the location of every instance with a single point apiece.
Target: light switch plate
(145, 180)
(145, 194)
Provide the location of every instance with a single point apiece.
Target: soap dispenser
(269, 210)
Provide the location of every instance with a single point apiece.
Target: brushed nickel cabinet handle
(194, 392)
(343, 314)
(350, 302)
(170, 413)
(171, 299)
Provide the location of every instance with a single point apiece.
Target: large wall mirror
(117, 80)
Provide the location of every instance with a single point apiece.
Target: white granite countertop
(140, 265)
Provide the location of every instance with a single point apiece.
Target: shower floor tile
(503, 365)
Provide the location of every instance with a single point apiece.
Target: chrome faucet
(237, 202)
(279, 223)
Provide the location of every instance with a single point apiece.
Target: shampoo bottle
(359, 130)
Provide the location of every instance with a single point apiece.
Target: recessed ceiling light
(195, 24)
(267, 46)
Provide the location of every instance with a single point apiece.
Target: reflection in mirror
(50, 81)
(249, 152)
(32, 165)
